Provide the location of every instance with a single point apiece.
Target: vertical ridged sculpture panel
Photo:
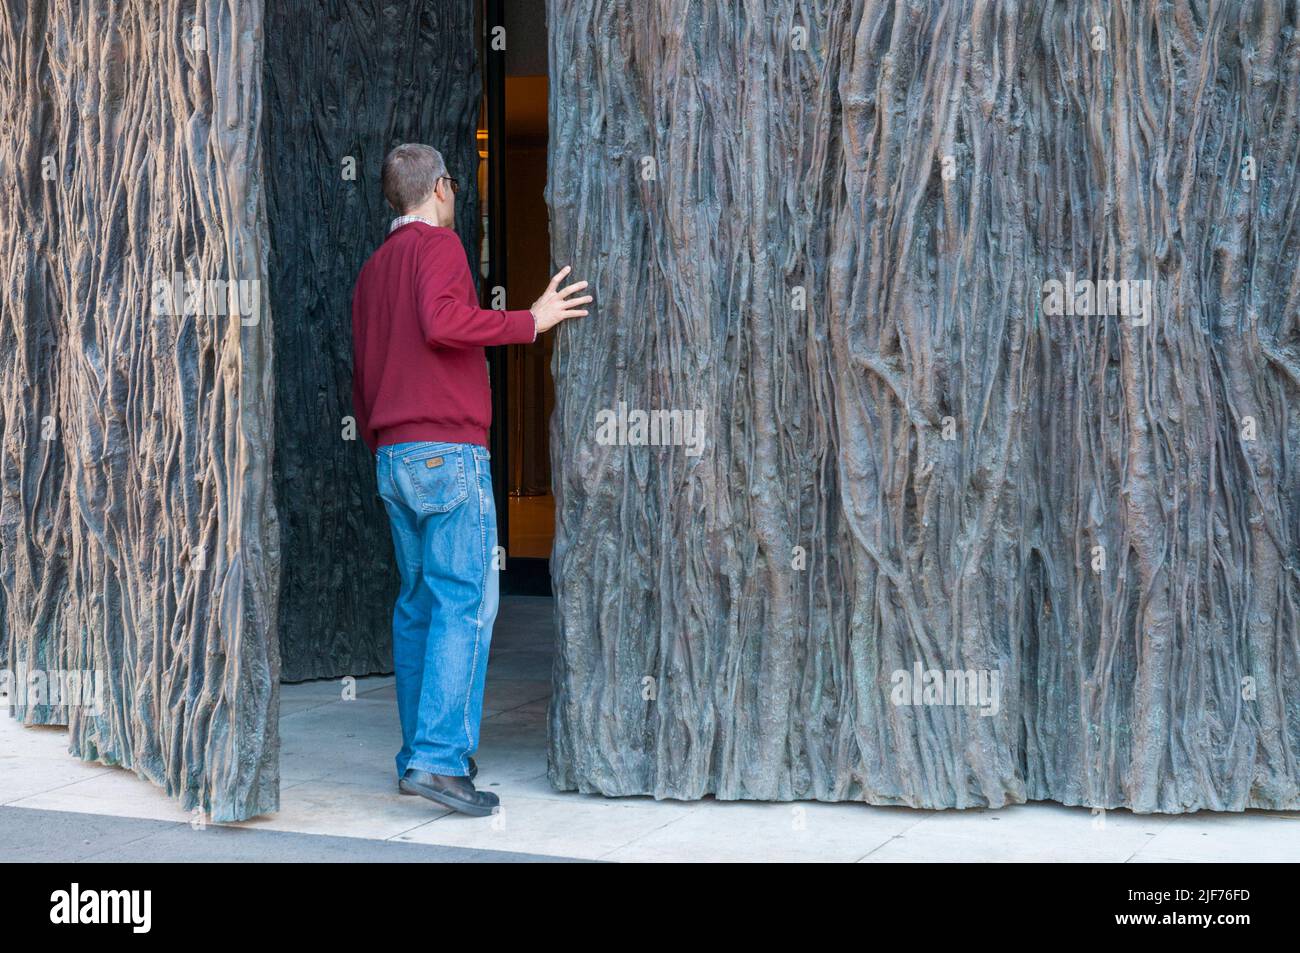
(137, 530)
(951, 541)
(345, 82)
(34, 502)
(693, 181)
(1163, 573)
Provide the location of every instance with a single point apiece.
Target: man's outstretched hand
(556, 305)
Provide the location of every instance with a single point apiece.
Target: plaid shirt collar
(407, 220)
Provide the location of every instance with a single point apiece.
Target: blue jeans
(444, 523)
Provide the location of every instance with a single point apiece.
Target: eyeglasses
(455, 186)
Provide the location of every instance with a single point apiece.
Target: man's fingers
(556, 305)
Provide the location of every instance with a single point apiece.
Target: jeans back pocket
(438, 477)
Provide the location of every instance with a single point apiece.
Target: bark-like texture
(345, 81)
(137, 531)
(948, 455)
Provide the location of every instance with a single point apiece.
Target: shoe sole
(446, 800)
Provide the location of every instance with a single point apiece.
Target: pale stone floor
(338, 780)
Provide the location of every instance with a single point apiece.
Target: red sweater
(418, 367)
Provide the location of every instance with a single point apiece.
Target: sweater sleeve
(443, 288)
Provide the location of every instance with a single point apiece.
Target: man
(423, 405)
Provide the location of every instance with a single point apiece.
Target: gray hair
(410, 172)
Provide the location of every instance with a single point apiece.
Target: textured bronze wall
(137, 531)
(1077, 505)
(345, 81)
